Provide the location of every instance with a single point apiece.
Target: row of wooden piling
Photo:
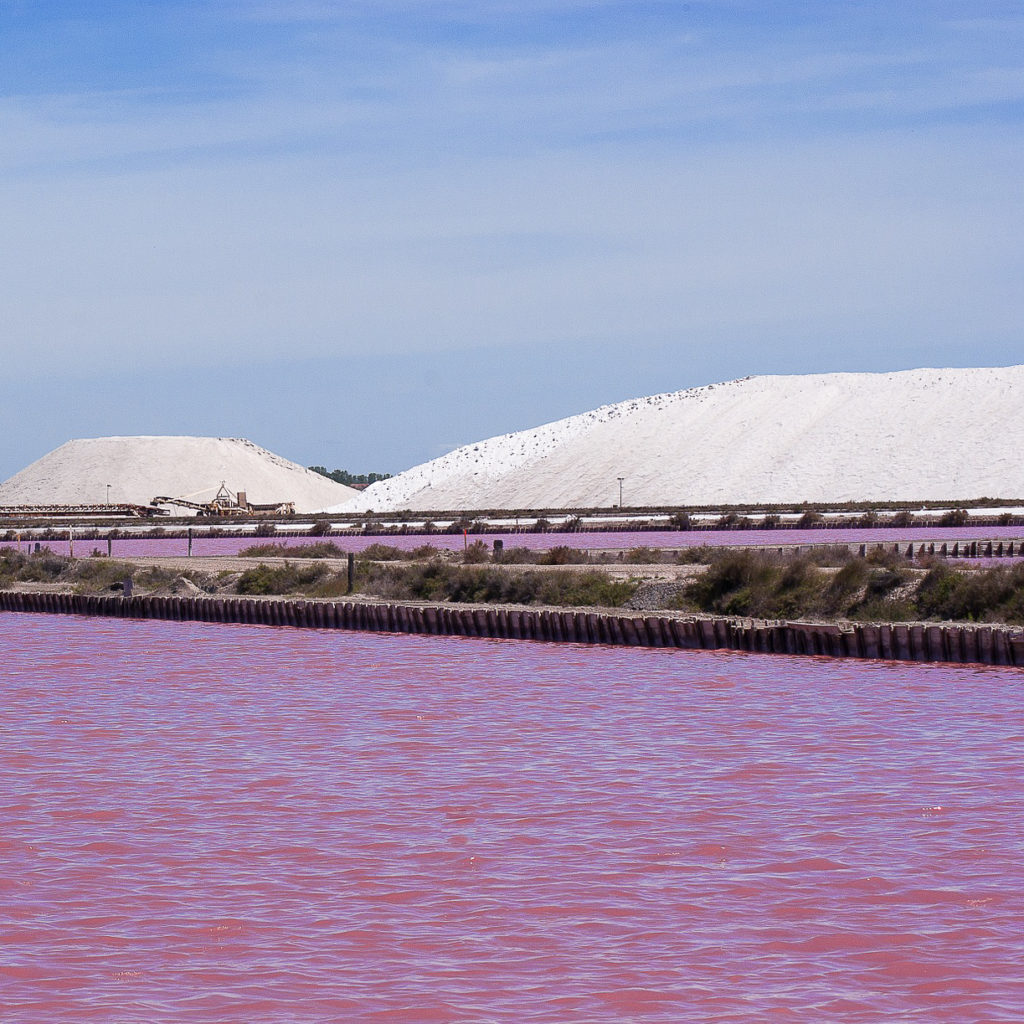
(971, 644)
(967, 549)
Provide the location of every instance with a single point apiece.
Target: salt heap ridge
(141, 468)
(927, 434)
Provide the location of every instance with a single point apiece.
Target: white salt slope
(141, 468)
(915, 434)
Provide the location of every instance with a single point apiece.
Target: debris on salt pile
(102, 470)
(929, 434)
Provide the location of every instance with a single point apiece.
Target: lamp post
(108, 495)
(620, 479)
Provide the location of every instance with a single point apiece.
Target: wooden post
(351, 572)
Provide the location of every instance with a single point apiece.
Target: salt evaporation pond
(126, 547)
(238, 823)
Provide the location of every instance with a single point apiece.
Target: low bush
(476, 553)
(516, 556)
(955, 517)
(42, 567)
(810, 520)
(441, 581)
(643, 556)
(563, 555)
(702, 555)
(382, 553)
(92, 574)
(322, 549)
(829, 554)
(11, 563)
(422, 551)
(974, 596)
(758, 584)
(281, 579)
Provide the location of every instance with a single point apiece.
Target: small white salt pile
(138, 469)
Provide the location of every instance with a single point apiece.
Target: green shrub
(745, 582)
(851, 577)
(92, 574)
(810, 520)
(885, 609)
(382, 553)
(281, 579)
(264, 551)
(643, 556)
(322, 549)
(702, 555)
(516, 556)
(42, 567)
(440, 581)
(476, 553)
(423, 551)
(829, 554)
(974, 595)
(11, 564)
(955, 517)
(563, 555)
(882, 581)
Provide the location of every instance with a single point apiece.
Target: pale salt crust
(928, 434)
(141, 468)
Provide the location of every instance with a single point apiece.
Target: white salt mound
(141, 468)
(912, 435)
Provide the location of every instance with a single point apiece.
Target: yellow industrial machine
(225, 503)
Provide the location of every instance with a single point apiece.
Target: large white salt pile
(139, 469)
(916, 434)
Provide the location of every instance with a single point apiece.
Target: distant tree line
(343, 476)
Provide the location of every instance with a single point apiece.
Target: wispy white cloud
(351, 188)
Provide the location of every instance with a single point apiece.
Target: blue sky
(361, 233)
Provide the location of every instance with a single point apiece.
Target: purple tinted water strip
(125, 547)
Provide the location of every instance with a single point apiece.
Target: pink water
(210, 823)
(201, 545)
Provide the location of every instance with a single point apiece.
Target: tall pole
(108, 495)
(621, 478)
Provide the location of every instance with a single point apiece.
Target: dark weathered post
(190, 542)
(351, 571)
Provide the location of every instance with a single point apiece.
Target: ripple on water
(244, 823)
